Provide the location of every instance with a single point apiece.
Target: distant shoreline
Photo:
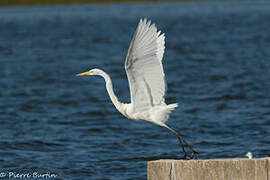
(59, 2)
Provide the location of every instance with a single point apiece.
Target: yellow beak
(83, 74)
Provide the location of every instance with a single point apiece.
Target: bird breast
(131, 114)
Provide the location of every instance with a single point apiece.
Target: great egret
(146, 81)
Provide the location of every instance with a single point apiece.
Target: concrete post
(212, 169)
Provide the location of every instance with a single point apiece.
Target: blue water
(217, 63)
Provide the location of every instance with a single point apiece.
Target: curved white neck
(109, 88)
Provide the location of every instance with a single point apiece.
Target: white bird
(249, 155)
(146, 80)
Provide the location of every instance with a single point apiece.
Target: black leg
(183, 144)
(183, 147)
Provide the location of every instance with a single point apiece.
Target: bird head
(91, 72)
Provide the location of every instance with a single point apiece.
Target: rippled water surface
(217, 68)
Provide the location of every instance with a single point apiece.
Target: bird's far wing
(144, 67)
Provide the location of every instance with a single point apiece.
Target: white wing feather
(144, 67)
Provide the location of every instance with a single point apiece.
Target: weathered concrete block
(212, 169)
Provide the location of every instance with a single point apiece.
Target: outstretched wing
(144, 67)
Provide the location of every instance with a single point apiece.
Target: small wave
(30, 105)
(63, 140)
(101, 113)
(20, 93)
(47, 60)
(226, 97)
(249, 85)
(192, 110)
(37, 143)
(96, 130)
(6, 145)
(207, 126)
(214, 143)
(6, 51)
(30, 145)
(64, 102)
(96, 39)
(222, 106)
(218, 77)
(92, 112)
(266, 113)
(149, 158)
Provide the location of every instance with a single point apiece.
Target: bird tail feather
(171, 107)
(162, 114)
